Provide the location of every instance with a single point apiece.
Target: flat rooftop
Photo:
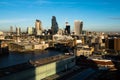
(14, 58)
(31, 64)
(49, 60)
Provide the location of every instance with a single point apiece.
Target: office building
(38, 27)
(18, 31)
(78, 25)
(54, 26)
(2, 35)
(11, 29)
(30, 30)
(67, 29)
(113, 44)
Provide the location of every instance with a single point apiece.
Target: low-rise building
(38, 69)
(84, 50)
(3, 48)
(1, 35)
(27, 46)
(112, 45)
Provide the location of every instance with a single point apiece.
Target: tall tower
(54, 26)
(67, 29)
(30, 30)
(78, 25)
(17, 31)
(11, 29)
(38, 27)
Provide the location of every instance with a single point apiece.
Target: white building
(58, 37)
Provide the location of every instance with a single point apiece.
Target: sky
(97, 15)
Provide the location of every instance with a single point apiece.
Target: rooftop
(31, 64)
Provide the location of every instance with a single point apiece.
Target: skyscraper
(67, 29)
(30, 30)
(38, 27)
(54, 26)
(18, 31)
(78, 25)
(11, 29)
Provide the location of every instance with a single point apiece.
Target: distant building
(113, 44)
(44, 32)
(38, 27)
(18, 31)
(78, 25)
(83, 50)
(67, 29)
(60, 32)
(54, 26)
(2, 35)
(3, 48)
(11, 29)
(58, 37)
(84, 32)
(24, 46)
(49, 32)
(30, 30)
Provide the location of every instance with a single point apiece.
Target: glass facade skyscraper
(54, 26)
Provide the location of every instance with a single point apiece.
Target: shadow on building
(24, 71)
(85, 62)
(38, 69)
(105, 69)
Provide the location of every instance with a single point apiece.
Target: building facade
(18, 31)
(78, 26)
(67, 29)
(30, 30)
(113, 44)
(38, 27)
(4, 47)
(54, 26)
(11, 29)
(40, 69)
(2, 35)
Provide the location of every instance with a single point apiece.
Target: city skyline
(100, 15)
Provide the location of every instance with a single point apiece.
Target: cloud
(6, 4)
(55, 2)
(115, 18)
(14, 21)
(51, 2)
(43, 2)
(2, 3)
(72, 2)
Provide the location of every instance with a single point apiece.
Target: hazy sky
(97, 15)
